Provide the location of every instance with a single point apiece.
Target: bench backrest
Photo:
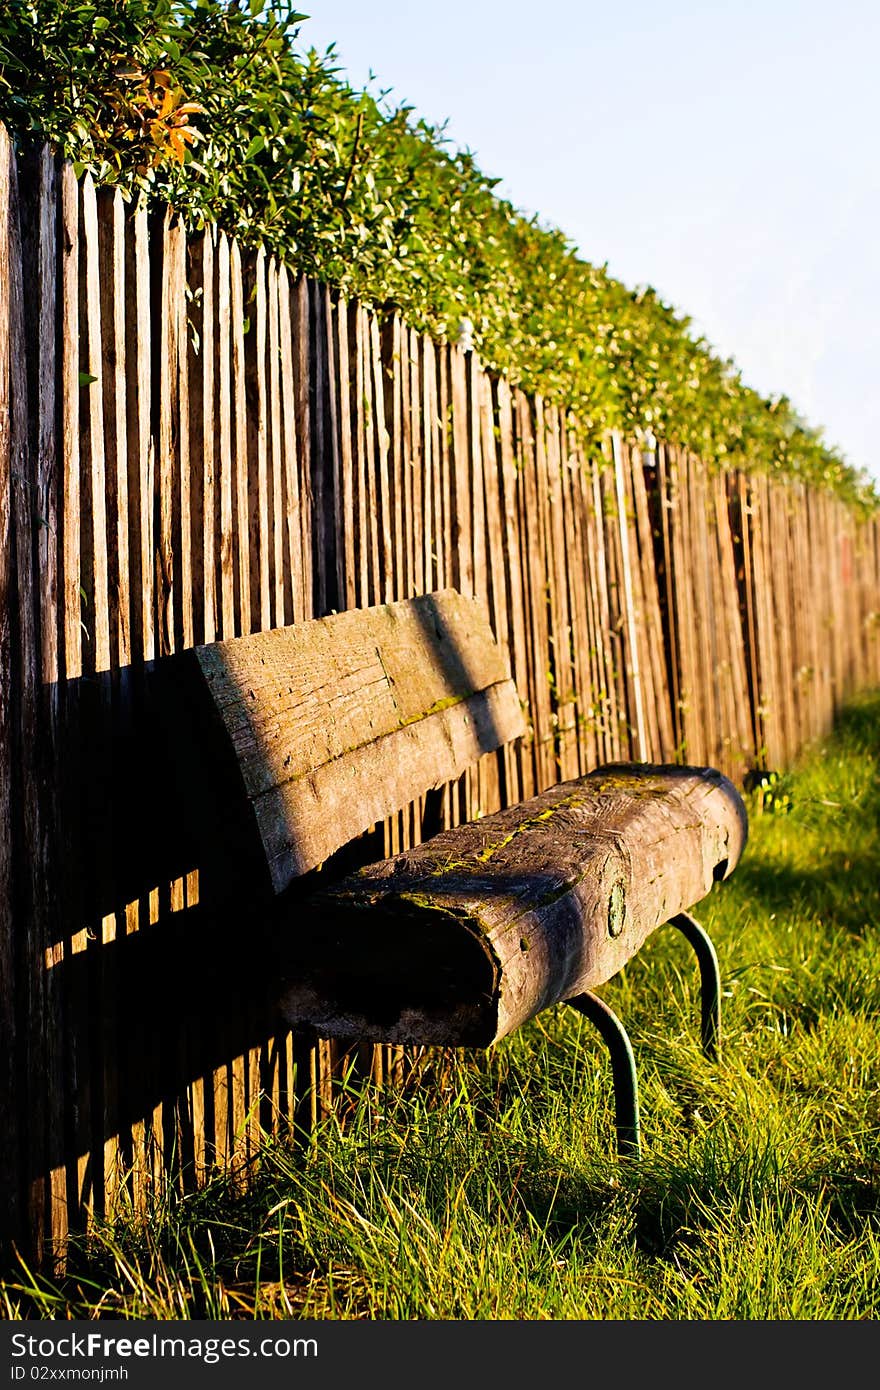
(342, 721)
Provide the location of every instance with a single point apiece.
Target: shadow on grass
(670, 1208)
(840, 886)
(841, 892)
(857, 727)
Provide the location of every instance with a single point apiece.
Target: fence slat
(225, 438)
(10, 1156)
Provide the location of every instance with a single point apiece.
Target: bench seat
(464, 938)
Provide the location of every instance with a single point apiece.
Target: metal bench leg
(623, 1069)
(710, 980)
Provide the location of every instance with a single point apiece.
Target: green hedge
(220, 111)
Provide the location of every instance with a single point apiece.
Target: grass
(488, 1189)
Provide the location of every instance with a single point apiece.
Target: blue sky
(726, 154)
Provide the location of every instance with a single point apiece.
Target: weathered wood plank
(664, 505)
(652, 625)
(292, 491)
(462, 517)
(595, 703)
(184, 615)
(339, 722)
(282, 610)
(335, 548)
(439, 471)
(707, 668)
(474, 393)
(606, 594)
(113, 289)
(200, 368)
(414, 461)
(244, 620)
(513, 572)
(48, 560)
(495, 569)
(768, 706)
(168, 427)
(429, 495)
(558, 560)
(534, 571)
(405, 496)
(224, 435)
(71, 625)
(370, 498)
(575, 567)
(356, 343)
(464, 939)
(257, 439)
(318, 461)
(385, 542)
(346, 536)
(392, 344)
(27, 808)
(684, 619)
(10, 1158)
(741, 747)
(95, 573)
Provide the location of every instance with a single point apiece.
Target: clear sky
(725, 153)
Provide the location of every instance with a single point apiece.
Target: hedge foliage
(219, 110)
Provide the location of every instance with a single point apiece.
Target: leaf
(256, 145)
(85, 379)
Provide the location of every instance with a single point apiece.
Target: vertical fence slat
(557, 564)
(416, 459)
(440, 476)
(113, 291)
(224, 438)
(281, 606)
(200, 370)
(10, 1156)
(320, 471)
(48, 515)
(393, 334)
(641, 596)
(244, 595)
(652, 624)
(576, 565)
(292, 495)
(346, 539)
(335, 566)
(632, 644)
(514, 576)
(606, 592)
(256, 341)
(97, 661)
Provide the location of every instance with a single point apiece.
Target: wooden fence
(194, 444)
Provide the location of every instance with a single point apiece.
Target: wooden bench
(327, 727)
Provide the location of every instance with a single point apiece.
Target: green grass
(488, 1189)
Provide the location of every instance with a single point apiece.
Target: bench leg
(710, 980)
(623, 1069)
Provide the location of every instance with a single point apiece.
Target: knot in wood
(616, 908)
